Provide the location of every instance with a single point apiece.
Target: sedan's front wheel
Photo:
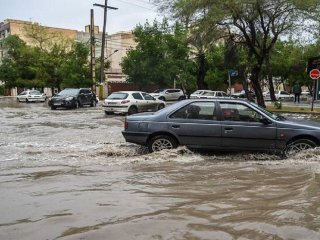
(299, 145)
(161, 142)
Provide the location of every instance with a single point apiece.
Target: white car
(214, 94)
(31, 96)
(168, 94)
(279, 94)
(131, 102)
(198, 93)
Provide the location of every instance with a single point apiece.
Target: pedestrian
(297, 92)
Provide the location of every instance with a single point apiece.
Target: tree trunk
(243, 74)
(202, 71)
(271, 87)
(255, 80)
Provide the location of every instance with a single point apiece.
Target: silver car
(221, 124)
(131, 102)
(31, 96)
(168, 94)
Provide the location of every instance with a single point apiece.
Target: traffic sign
(314, 73)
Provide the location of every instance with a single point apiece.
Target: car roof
(129, 92)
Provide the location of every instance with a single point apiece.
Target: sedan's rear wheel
(299, 145)
(27, 100)
(161, 142)
(162, 98)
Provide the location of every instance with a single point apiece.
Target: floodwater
(68, 174)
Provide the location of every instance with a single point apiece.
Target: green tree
(159, 57)
(257, 24)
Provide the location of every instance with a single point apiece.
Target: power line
(134, 4)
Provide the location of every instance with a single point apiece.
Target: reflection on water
(70, 175)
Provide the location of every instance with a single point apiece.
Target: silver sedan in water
(131, 102)
(222, 125)
(31, 96)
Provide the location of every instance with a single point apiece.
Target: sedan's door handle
(228, 130)
(175, 126)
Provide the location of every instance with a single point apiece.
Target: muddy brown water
(68, 174)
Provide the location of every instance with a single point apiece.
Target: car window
(137, 96)
(284, 93)
(68, 92)
(147, 96)
(118, 96)
(197, 110)
(218, 94)
(239, 112)
(225, 95)
(35, 92)
(208, 94)
(23, 93)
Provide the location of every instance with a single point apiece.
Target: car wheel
(108, 113)
(53, 107)
(299, 145)
(181, 98)
(93, 103)
(162, 98)
(27, 100)
(76, 104)
(160, 106)
(132, 110)
(161, 142)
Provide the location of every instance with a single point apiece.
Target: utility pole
(93, 52)
(104, 44)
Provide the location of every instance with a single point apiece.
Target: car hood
(300, 124)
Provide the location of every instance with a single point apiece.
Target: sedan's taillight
(125, 101)
(125, 124)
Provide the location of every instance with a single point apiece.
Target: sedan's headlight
(69, 98)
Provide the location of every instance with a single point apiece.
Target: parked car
(168, 94)
(31, 96)
(242, 94)
(131, 102)
(198, 93)
(306, 93)
(223, 124)
(73, 98)
(214, 94)
(279, 95)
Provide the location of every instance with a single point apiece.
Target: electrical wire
(137, 5)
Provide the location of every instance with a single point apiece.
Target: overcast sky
(75, 14)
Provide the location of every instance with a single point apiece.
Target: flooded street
(68, 174)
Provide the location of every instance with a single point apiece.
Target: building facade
(116, 45)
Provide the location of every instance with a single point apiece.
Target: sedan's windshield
(68, 92)
(159, 91)
(269, 114)
(119, 96)
(35, 92)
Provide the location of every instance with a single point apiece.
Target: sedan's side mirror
(265, 121)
